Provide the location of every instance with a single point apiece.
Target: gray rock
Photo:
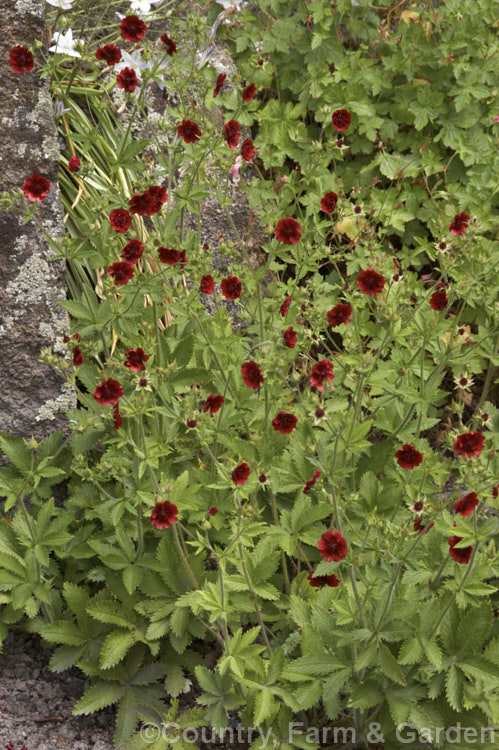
(33, 395)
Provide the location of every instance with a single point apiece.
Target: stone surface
(33, 396)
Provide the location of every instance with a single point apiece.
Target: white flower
(159, 70)
(234, 170)
(237, 4)
(64, 44)
(142, 7)
(132, 61)
(62, 4)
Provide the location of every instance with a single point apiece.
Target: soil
(36, 704)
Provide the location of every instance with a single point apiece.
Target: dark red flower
(77, 356)
(207, 285)
(332, 546)
(118, 422)
(191, 423)
(439, 300)
(462, 555)
(328, 203)
(110, 53)
(468, 445)
(189, 131)
(285, 307)
(249, 92)
(132, 252)
(21, 59)
(36, 188)
(421, 528)
(408, 457)
(252, 375)
(495, 490)
(74, 164)
(213, 403)
(341, 119)
(262, 478)
(168, 255)
(108, 392)
(231, 287)
(170, 45)
(164, 515)
(159, 196)
(127, 80)
(241, 473)
(220, 83)
(122, 272)
(136, 359)
(132, 28)
(322, 370)
(120, 219)
(466, 505)
(320, 581)
(232, 131)
(310, 483)
(213, 511)
(290, 337)
(141, 204)
(341, 313)
(370, 282)
(247, 149)
(284, 423)
(459, 224)
(288, 230)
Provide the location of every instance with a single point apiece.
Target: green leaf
(432, 651)
(454, 687)
(366, 695)
(17, 452)
(115, 647)
(390, 666)
(64, 632)
(132, 576)
(479, 668)
(367, 657)
(411, 651)
(368, 487)
(98, 696)
(264, 706)
(108, 612)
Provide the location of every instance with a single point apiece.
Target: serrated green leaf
(98, 696)
(264, 706)
(432, 651)
(115, 647)
(410, 652)
(64, 632)
(390, 666)
(454, 687)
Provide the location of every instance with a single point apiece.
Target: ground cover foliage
(307, 494)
